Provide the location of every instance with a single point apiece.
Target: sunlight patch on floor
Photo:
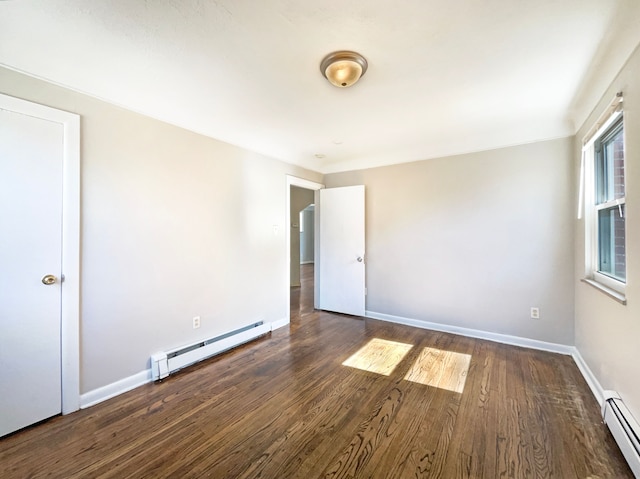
(378, 356)
(440, 369)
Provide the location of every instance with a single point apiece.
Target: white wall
(307, 237)
(174, 225)
(474, 240)
(608, 333)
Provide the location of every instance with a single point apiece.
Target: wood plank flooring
(284, 406)
(440, 369)
(378, 356)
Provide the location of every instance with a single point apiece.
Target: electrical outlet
(196, 322)
(535, 313)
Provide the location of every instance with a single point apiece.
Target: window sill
(619, 297)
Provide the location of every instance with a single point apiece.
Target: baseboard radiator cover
(164, 363)
(624, 428)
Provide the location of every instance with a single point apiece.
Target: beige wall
(174, 225)
(300, 199)
(474, 240)
(608, 333)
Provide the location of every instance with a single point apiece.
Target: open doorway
(301, 251)
(301, 244)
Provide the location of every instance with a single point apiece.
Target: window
(605, 202)
(609, 204)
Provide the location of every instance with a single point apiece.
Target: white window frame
(592, 275)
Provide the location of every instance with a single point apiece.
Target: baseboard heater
(624, 428)
(165, 363)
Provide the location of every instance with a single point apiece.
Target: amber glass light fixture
(343, 68)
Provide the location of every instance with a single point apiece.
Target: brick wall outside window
(619, 192)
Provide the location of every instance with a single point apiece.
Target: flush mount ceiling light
(343, 68)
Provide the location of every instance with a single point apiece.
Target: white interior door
(342, 250)
(31, 161)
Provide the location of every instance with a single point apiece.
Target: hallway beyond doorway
(301, 297)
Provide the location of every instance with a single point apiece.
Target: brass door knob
(49, 279)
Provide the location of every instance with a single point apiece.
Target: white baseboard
(114, 389)
(594, 384)
(143, 377)
(279, 324)
(589, 377)
(475, 333)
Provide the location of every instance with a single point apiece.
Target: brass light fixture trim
(343, 68)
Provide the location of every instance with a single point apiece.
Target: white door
(31, 160)
(342, 252)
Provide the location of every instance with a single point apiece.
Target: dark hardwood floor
(284, 406)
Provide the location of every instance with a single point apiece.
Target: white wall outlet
(535, 313)
(196, 322)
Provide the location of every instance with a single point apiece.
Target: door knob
(359, 259)
(49, 279)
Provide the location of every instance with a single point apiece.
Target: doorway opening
(301, 244)
(302, 251)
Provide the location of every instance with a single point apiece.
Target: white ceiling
(445, 76)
